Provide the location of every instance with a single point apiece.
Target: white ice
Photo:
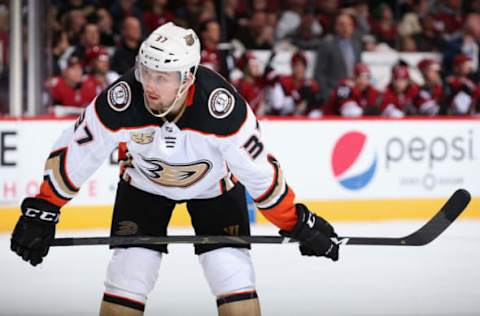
(442, 278)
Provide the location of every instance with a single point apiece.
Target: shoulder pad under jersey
(217, 107)
(121, 105)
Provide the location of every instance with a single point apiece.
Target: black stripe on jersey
(284, 194)
(236, 297)
(50, 184)
(123, 301)
(276, 181)
(62, 153)
(197, 116)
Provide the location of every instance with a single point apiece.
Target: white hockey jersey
(212, 145)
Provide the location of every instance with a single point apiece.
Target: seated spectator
(411, 21)
(429, 40)
(157, 15)
(295, 94)
(90, 37)
(305, 37)
(430, 96)
(326, 12)
(449, 18)
(105, 26)
(354, 97)
(124, 57)
(384, 26)
(258, 34)
(210, 37)
(291, 19)
(61, 50)
(459, 89)
(399, 96)
(74, 22)
(100, 77)
(122, 9)
(186, 14)
(252, 84)
(66, 89)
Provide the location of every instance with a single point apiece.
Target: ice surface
(442, 278)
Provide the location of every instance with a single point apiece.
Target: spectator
(210, 37)
(74, 22)
(305, 37)
(295, 94)
(66, 89)
(122, 9)
(258, 34)
(90, 37)
(384, 26)
(449, 18)
(354, 97)
(430, 96)
(124, 56)
(411, 22)
(408, 44)
(157, 15)
(429, 40)
(3, 40)
(459, 89)
(466, 43)
(186, 15)
(291, 19)
(327, 10)
(206, 13)
(61, 50)
(105, 26)
(337, 55)
(361, 13)
(399, 96)
(252, 84)
(101, 75)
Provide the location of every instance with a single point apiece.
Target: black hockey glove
(314, 234)
(35, 230)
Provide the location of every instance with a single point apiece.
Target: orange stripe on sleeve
(48, 194)
(283, 214)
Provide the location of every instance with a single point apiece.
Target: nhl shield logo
(119, 96)
(220, 103)
(189, 39)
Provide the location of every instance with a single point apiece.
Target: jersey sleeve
(77, 153)
(260, 173)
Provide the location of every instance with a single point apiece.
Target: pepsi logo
(353, 161)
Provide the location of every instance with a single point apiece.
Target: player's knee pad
(131, 276)
(228, 270)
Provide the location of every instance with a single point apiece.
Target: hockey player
(429, 98)
(459, 89)
(399, 96)
(190, 138)
(354, 97)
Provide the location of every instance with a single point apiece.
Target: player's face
(160, 87)
(400, 84)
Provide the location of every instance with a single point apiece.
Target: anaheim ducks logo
(175, 175)
(145, 137)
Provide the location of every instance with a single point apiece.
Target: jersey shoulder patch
(220, 103)
(217, 107)
(119, 96)
(121, 105)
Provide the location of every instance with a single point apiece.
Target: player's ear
(190, 78)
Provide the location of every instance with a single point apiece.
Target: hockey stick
(428, 232)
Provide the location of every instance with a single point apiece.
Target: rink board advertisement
(346, 168)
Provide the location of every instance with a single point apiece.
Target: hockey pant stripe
(114, 299)
(236, 297)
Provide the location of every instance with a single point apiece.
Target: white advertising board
(326, 159)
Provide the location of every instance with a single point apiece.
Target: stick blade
(455, 205)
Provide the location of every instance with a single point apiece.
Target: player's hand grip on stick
(314, 234)
(35, 230)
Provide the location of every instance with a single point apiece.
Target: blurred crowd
(91, 43)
